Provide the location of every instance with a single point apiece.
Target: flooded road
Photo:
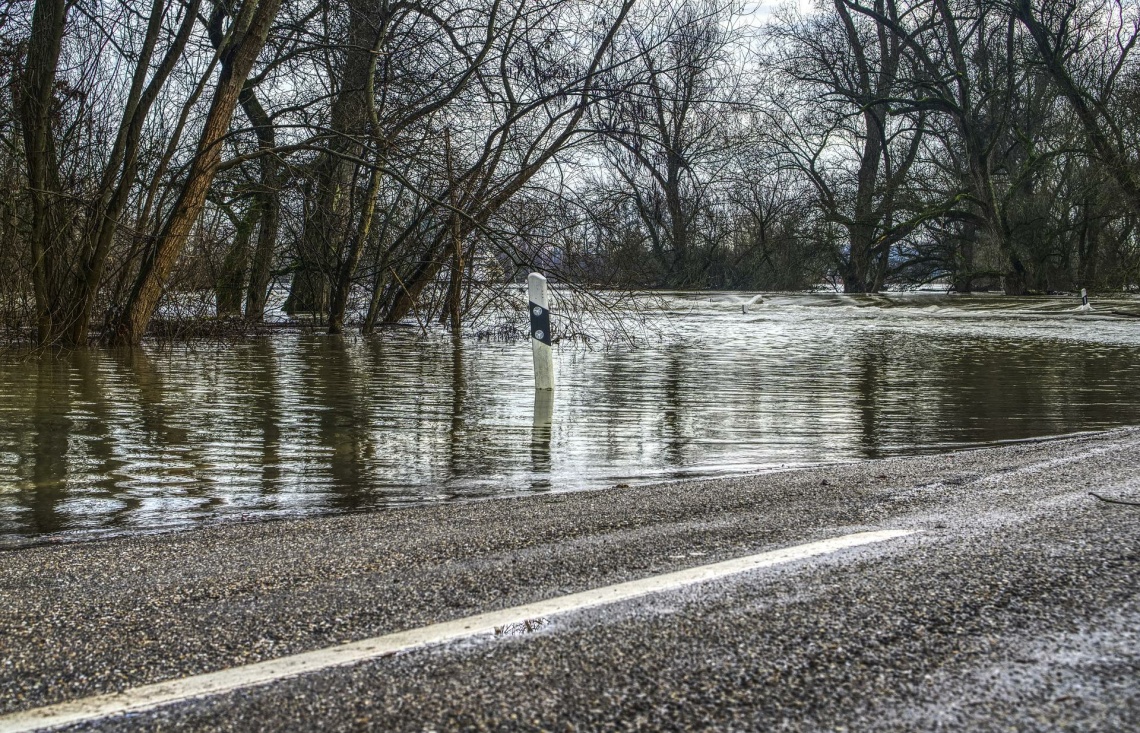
(108, 441)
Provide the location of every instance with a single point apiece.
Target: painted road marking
(214, 683)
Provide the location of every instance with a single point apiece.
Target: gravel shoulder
(1016, 605)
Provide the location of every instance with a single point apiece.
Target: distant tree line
(374, 161)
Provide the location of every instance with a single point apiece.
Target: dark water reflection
(125, 441)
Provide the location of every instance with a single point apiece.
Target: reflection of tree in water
(166, 412)
(138, 369)
(644, 397)
(455, 431)
(916, 394)
(51, 429)
(103, 462)
(673, 387)
(111, 438)
(257, 382)
(343, 424)
(871, 366)
(984, 390)
(519, 628)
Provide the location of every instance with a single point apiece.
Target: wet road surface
(1014, 605)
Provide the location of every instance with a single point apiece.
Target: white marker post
(540, 332)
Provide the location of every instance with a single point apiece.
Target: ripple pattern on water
(131, 441)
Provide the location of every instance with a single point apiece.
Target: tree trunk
(231, 280)
(1089, 246)
(452, 310)
(122, 168)
(328, 221)
(962, 278)
(36, 86)
(251, 28)
(339, 303)
(680, 267)
(860, 275)
(260, 270)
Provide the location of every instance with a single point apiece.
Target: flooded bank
(107, 441)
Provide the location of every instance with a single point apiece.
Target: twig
(1114, 501)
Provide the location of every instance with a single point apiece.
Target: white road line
(203, 685)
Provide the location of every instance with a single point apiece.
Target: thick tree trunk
(680, 267)
(260, 270)
(329, 219)
(1089, 246)
(857, 270)
(1018, 279)
(36, 87)
(231, 280)
(962, 279)
(861, 274)
(309, 290)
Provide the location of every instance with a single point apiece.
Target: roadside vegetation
(356, 163)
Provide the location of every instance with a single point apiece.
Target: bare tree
(673, 135)
(1087, 47)
(246, 37)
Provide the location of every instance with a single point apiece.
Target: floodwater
(119, 441)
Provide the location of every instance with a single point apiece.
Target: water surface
(121, 441)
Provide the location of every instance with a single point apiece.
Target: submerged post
(540, 438)
(540, 331)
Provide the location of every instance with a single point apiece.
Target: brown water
(107, 441)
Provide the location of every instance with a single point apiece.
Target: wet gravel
(1016, 607)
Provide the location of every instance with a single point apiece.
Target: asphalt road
(1016, 606)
